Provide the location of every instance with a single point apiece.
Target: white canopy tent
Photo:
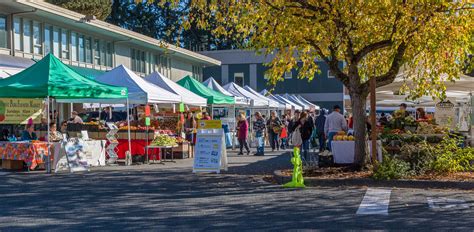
(139, 90)
(294, 105)
(236, 90)
(212, 84)
(272, 103)
(311, 105)
(293, 101)
(187, 97)
(286, 104)
(388, 95)
(297, 100)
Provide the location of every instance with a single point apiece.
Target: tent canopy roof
(271, 102)
(213, 97)
(140, 91)
(211, 83)
(187, 96)
(50, 77)
(241, 92)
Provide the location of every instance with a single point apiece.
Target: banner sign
(209, 124)
(445, 113)
(19, 110)
(76, 157)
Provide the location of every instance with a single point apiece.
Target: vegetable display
(164, 140)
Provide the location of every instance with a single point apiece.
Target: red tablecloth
(138, 148)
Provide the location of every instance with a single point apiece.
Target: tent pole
(233, 129)
(128, 130)
(48, 158)
(100, 111)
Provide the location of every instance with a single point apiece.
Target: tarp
(241, 92)
(272, 103)
(139, 90)
(187, 97)
(311, 105)
(212, 84)
(50, 77)
(267, 94)
(213, 97)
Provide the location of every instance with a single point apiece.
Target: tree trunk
(359, 117)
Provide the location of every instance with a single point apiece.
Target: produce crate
(12, 164)
(182, 151)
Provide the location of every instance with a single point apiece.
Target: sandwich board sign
(210, 152)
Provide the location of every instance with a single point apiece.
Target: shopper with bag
(259, 128)
(305, 128)
(274, 126)
(242, 133)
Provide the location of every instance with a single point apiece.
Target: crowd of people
(304, 129)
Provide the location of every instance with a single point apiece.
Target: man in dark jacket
(320, 121)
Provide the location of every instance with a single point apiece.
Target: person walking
(259, 128)
(284, 133)
(190, 126)
(293, 123)
(274, 126)
(320, 121)
(335, 122)
(305, 126)
(242, 133)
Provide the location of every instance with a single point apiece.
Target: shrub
(392, 168)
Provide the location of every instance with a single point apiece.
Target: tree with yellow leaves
(427, 41)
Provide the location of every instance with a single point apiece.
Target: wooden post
(373, 122)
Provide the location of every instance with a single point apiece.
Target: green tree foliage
(99, 8)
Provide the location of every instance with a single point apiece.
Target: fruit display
(168, 123)
(164, 140)
(343, 138)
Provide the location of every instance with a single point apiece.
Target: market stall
(50, 79)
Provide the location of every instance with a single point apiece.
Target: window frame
(240, 75)
(330, 75)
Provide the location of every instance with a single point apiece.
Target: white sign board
(76, 157)
(210, 153)
(445, 113)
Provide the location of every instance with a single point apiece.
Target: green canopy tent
(50, 78)
(213, 97)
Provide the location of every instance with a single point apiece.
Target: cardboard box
(12, 164)
(182, 151)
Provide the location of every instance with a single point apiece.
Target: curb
(367, 182)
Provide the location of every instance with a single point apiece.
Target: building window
(96, 52)
(3, 32)
(197, 73)
(163, 65)
(81, 49)
(56, 41)
(74, 46)
(288, 75)
(37, 38)
(17, 36)
(88, 46)
(266, 76)
(109, 54)
(27, 36)
(138, 61)
(103, 51)
(330, 74)
(239, 79)
(47, 39)
(64, 44)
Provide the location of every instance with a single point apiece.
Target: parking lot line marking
(446, 203)
(376, 201)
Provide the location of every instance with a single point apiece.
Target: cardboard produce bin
(12, 164)
(182, 151)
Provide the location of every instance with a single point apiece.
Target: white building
(31, 29)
